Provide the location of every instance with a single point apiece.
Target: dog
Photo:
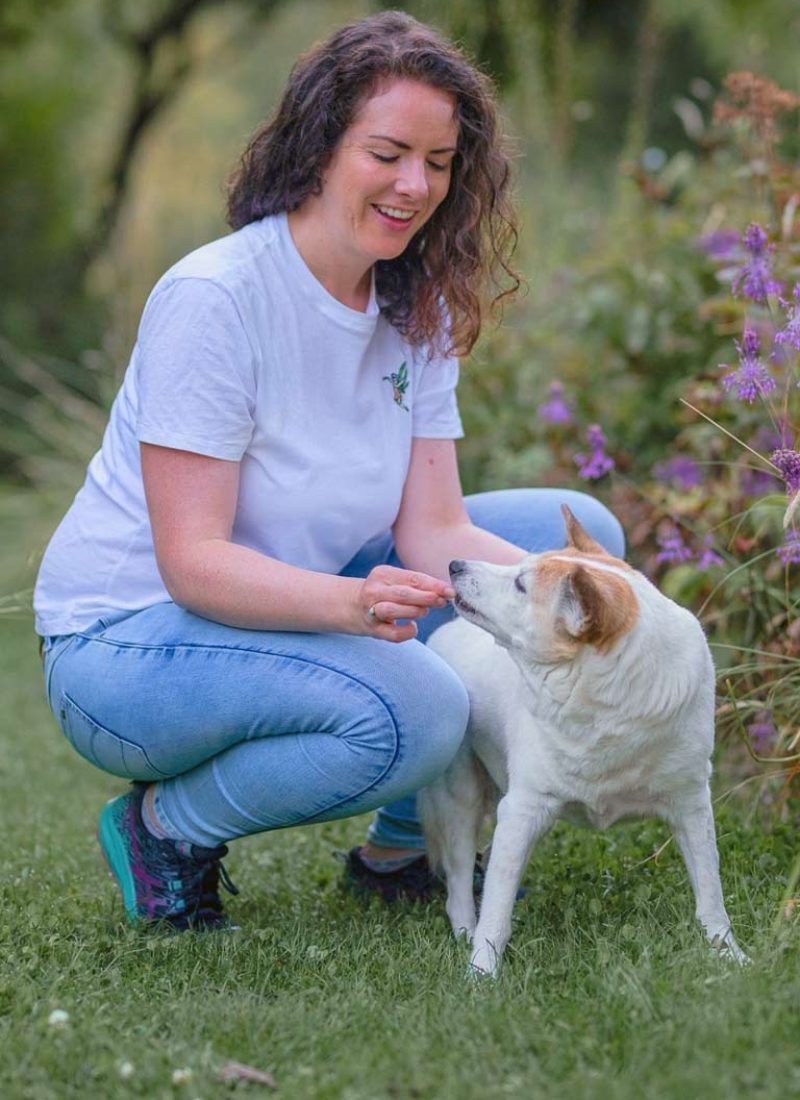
(591, 699)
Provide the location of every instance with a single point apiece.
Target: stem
(744, 736)
(730, 435)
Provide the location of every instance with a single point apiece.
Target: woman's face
(389, 172)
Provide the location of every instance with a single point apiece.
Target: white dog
(596, 703)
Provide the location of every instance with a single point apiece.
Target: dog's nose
(457, 567)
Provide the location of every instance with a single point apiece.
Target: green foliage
(82, 195)
(749, 599)
(20, 20)
(636, 333)
(620, 329)
(47, 186)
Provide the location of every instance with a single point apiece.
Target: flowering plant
(710, 521)
(738, 470)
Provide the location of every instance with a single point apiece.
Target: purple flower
(768, 437)
(788, 462)
(673, 548)
(595, 437)
(762, 731)
(598, 463)
(757, 483)
(789, 552)
(681, 470)
(593, 466)
(708, 556)
(750, 345)
(755, 239)
(753, 481)
(755, 278)
(790, 333)
(555, 410)
(719, 244)
(751, 377)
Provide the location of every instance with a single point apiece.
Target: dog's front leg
(693, 828)
(521, 820)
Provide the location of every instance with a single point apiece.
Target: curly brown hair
(461, 256)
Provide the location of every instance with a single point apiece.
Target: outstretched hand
(389, 594)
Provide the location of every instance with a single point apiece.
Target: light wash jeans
(252, 730)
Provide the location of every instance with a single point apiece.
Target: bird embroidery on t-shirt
(399, 382)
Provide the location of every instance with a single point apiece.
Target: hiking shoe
(416, 882)
(161, 880)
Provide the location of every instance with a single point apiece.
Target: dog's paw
(726, 947)
(484, 963)
(478, 974)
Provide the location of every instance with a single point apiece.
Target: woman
(277, 498)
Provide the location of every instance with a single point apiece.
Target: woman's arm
(191, 499)
(432, 526)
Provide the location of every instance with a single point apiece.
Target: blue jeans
(252, 730)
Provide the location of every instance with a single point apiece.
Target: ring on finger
(373, 615)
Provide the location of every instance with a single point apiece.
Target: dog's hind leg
(452, 810)
(693, 828)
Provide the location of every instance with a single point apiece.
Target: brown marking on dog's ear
(609, 605)
(577, 537)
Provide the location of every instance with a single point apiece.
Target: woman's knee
(430, 715)
(532, 518)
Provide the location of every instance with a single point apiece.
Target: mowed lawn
(608, 989)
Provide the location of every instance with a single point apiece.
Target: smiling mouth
(395, 215)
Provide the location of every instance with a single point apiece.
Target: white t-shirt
(243, 355)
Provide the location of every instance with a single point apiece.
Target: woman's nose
(412, 180)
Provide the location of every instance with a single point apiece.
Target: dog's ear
(577, 537)
(597, 608)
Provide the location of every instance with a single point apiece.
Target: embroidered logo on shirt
(399, 383)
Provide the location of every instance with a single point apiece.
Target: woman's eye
(519, 583)
(385, 158)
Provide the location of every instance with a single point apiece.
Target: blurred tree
(151, 44)
(161, 60)
(62, 189)
(20, 19)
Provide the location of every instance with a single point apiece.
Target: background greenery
(120, 122)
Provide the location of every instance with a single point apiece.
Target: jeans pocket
(101, 747)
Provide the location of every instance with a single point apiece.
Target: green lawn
(608, 990)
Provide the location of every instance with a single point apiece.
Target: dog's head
(551, 604)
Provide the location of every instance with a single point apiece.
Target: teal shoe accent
(160, 879)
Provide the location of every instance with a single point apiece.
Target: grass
(608, 990)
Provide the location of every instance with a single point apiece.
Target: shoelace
(201, 882)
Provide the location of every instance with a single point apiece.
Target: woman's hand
(388, 594)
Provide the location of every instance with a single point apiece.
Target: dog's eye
(519, 583)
